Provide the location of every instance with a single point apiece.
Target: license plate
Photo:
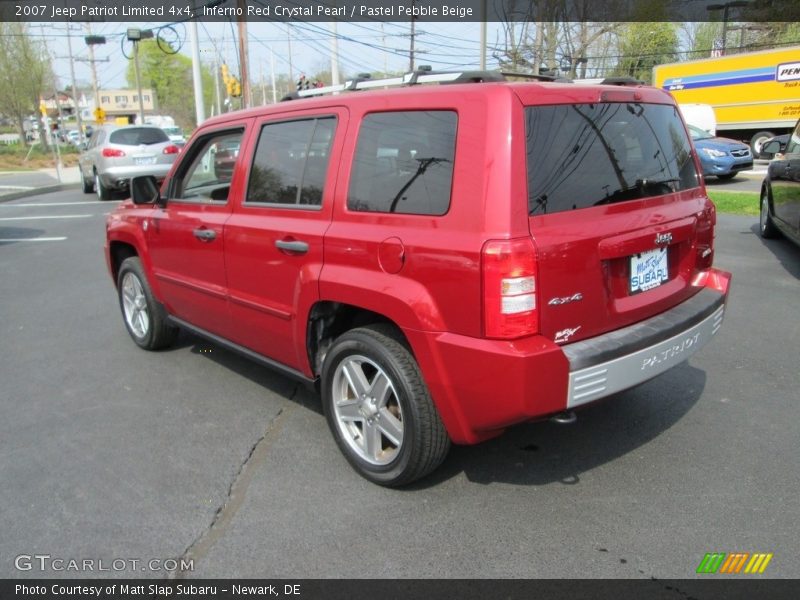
(144, 160)
(648, 270)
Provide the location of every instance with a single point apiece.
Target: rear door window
(582, 155)
(291, 162)
(137, 136)
(404, 163)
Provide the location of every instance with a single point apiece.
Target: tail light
(509, 289)
(706, 220)
(171, 149)
(113, 152)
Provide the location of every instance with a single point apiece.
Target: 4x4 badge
(663, 238)
(566, 299)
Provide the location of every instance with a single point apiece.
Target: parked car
(780, 191)
(115, 154)
(74, 137)
(782, 140)
(175, 136)
(440, 261)
(720, 156)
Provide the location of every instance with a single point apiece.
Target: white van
(700, 115)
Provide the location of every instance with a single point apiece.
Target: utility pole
(272, 75)
(411, 49)
(217, 95)
(199, 104)
(483, 36)
(138, 80)
(289, 42)
(243, 59)
(334, 54)
(74, 87)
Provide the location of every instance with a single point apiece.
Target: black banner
(287, 11)
(732, 588)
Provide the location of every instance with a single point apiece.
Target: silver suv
(115, 154)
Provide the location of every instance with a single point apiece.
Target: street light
(725, 8)
(135, 36)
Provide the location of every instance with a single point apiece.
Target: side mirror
(772, 147)
(145, 190)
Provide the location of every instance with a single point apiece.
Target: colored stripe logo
(734, 563)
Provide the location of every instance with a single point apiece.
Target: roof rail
(423, 74)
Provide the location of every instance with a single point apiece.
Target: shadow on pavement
(787, 253)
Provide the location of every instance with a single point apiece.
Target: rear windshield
(138, 135)
(582, 155)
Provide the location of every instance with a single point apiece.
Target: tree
(642, 46)
(25, 74)
(170, 78)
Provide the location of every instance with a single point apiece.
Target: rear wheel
(88, 185)
(145, 318)
(379, 409)
(766, 226)
(102, 191)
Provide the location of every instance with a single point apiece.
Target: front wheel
(145, 318)
(379, 409)
(765, 225)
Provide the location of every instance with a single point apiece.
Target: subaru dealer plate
(648, 270)
(144, 160)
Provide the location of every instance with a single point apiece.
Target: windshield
(172, 130)
(582, 155)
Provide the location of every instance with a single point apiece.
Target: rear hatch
(617, 212)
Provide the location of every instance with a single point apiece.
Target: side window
(291, 161)
(793, 146)
(210, 168)
(404, 163)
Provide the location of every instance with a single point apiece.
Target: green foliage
(25, 73)
(645, 45)
(170, 78)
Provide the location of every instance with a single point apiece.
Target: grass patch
(737, 203)
(13, 157)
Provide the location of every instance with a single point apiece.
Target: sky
(363, 47)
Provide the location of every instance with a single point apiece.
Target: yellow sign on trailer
(755, 95)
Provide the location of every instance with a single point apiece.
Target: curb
(37, 191)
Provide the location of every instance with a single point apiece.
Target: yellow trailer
(755, 95)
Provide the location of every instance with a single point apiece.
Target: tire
(766, 227)
(88, 186)
(726, 176)
(103, 193)
(757, 141)
(145, 319)
(395, 437)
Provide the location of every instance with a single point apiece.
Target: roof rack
(424, 74)
(621, 81)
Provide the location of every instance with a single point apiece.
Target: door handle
(205, 235)
(291, 246)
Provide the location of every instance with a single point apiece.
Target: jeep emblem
(663, 239)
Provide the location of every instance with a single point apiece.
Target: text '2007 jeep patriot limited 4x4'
(443, 261)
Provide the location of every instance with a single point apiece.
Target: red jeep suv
(442, 260)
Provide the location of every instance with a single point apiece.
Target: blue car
(720, 156)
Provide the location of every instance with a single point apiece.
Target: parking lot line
(35, 204)
(39, 239)
(45, 217)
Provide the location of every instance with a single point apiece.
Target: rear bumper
(627, 357)
(481, 386)
(119, 177)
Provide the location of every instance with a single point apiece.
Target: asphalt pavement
(110, 452)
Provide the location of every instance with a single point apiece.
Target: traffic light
(236, 88)
(232, 84)
(303, 83)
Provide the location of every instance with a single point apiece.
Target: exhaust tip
(567, 417)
